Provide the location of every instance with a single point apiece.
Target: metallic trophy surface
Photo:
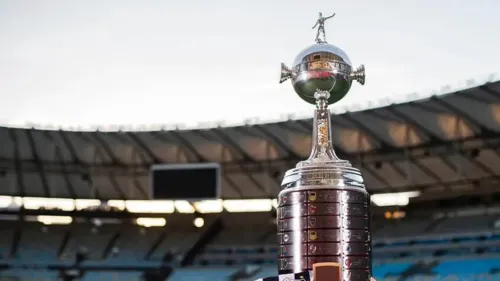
(324, 209)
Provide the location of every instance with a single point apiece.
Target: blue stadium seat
(476, 266)
(267, 271)
(392, 268)
(28, 275)
(455, 277)
(202, 274)
(5, 239)
(457, 270)
(112, 276)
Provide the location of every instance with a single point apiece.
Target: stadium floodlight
(18, 202)
(153, 207)
(6, 201)
(394, 199)
(35, 203)
(82, 204)
(118, 204)
(199, 222)
(208, 206)
(184, 207)
(151, 222)
(248, 206)
(51, 220)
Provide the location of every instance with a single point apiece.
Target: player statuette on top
(323, 213)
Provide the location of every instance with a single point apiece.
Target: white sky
(95, 62)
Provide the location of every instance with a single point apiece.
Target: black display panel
(185, 181)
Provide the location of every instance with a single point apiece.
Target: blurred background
(100, 102)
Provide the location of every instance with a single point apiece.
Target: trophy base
(300, 276)
(322, 272)
(324, 217)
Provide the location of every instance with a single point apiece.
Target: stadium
(76, 204)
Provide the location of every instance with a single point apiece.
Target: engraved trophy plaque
(323, 208)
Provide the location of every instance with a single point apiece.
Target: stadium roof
(442, 143)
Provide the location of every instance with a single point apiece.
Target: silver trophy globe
(324, 209)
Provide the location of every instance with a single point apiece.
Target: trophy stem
(322, 151)
(322, 146)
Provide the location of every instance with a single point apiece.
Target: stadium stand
(445, 148)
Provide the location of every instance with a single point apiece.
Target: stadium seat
(201, 274)
(27, 275)
(6, 232)
(453, 277)
(39, 244)
(381, 271)
(265, 272)
(455, 224)
(112, 276)
(476, 266)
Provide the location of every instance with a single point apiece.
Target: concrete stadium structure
(442, 143)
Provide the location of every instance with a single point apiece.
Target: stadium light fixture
(184, 207)
(51, 220)
(118, 204)
(399, 215)
(179, 206)
(35, 203)
(388, 215)
(154, 207)
(394, 199)
(81, 204)
(151, 222)
(6, 201)
(18, 201)
(199, 222)
(248, 206)
(208, 206)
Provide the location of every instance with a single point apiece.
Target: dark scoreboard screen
(185, 181)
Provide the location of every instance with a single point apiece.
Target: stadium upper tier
(444, 142)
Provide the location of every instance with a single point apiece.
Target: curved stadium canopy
(447, 142)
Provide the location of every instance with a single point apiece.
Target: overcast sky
(147, 62)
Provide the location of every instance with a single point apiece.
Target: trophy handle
(286, 73)
(359, 74)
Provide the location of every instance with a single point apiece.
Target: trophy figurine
(324, 209)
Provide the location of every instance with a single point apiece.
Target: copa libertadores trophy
(323, 213)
